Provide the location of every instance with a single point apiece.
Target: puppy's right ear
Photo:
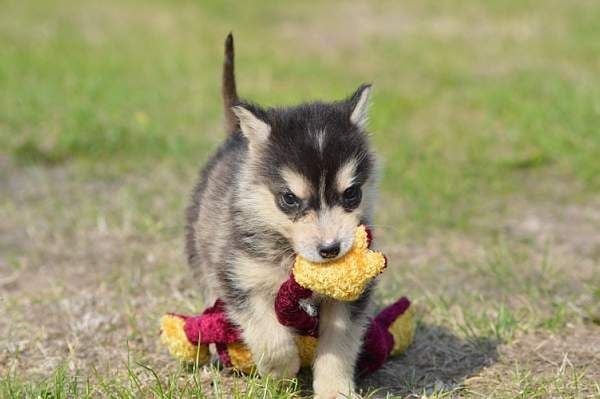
(359, 104)
(255, 129)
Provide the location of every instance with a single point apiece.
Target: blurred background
(487, 119)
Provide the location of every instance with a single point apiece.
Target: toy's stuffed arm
(292, 306)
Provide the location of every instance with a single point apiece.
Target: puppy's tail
(228, 90)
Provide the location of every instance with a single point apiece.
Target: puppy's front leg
(340, 339)
(272, 345)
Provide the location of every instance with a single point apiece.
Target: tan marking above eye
(297, 183)
(345, 175)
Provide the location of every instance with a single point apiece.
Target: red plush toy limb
(288, 309)
(211, 326)
(378, 341)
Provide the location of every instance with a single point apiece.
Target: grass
(62, 384)
(486, 115)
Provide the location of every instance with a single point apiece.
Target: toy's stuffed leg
(188, 337)
(173, 336)
(389, 334)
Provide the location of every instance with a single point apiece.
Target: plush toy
(390, 332)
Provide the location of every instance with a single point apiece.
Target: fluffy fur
(317, 155)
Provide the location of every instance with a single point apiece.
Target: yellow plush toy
(345, 278)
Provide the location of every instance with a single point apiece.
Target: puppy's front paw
(279, 360)
(337, 395)
(332, 389)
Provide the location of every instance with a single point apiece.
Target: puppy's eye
(351, 197)
(289, 200)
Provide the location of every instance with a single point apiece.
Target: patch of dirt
(565, 365)
(572, 229)
(81, 283)
(563, 237)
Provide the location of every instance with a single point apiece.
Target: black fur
(228, 86)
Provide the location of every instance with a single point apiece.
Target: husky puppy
(287, 181)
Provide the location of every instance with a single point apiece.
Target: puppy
(287, 181)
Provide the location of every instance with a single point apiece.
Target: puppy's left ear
(255, 129)
(359, 105)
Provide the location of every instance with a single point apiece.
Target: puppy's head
(310, 173)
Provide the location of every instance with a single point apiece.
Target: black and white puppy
(287, 181)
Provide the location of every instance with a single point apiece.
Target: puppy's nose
(330, 250)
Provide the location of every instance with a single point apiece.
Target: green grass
(486, 116)
(62, 384)
(467, 116)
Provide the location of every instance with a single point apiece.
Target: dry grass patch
(541, 365)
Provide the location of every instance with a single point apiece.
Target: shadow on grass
(437, 361)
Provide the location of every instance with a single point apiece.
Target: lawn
(487, 119)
